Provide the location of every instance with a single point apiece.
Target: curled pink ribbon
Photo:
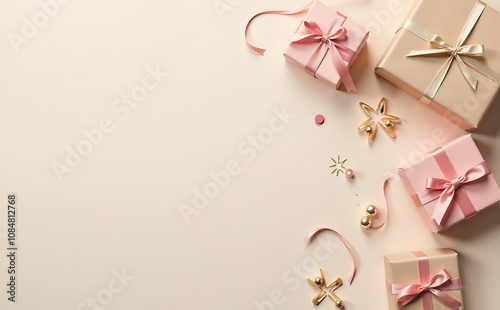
(259, 50)
(384, 191)
(317, 231)
(449, 187)
(329, 41)
(439, 281)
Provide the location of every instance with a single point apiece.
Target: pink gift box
(321, 64)
(451, 184)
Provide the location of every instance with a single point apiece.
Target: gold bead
(371, 210)
(318, 281)
(339, 304)
(366, 222)
(369, 129)
(389, 123)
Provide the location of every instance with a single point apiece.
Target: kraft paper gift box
(330, 60)
(451, 184)
(428, 280)
(418, 67)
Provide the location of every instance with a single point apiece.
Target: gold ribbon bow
(461, 53)
(441, 47)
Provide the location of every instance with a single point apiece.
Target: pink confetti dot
(319, 119)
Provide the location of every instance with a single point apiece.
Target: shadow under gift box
(409, 268)
(455, 99)
(300, 54)
(460, 155)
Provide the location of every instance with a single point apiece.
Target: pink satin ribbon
(259, 50)
(384, 190)
(328, 41)
(317, 231)
(451, 187)
(427, 287)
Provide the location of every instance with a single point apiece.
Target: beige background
(119, 208)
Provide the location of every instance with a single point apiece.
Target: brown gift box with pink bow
(428, 280)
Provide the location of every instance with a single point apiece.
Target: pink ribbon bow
(311, 33)
(442, 280)
(448, 188)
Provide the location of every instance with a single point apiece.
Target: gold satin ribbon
(461, 53)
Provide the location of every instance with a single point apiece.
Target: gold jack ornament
(326, 290)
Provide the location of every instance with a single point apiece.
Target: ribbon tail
(259, 50)
(443, 205)
(312, 66)
(447, 299)
(346, 243)
(466, 73)
(431, 92)
(384, 191)
(342, 70)
(482, 68)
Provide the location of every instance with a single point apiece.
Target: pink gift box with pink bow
(451, 184)
(326, 44)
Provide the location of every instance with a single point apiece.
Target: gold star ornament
(338, 165)
(378, 116)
